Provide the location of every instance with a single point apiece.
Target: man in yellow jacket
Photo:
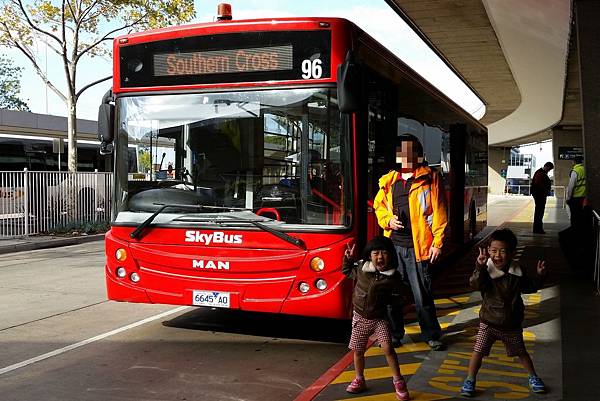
(410, 207)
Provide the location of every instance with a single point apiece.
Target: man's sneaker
(468, 388)
(436, 345)
(536, 385)
(401, 389)
(357, 386)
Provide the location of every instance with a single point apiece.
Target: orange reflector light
(317, 264)
(121, 255)
(224, 12)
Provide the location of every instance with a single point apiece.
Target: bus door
(382, 132)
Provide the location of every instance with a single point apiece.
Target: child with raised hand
(501, 282)
(378, 284)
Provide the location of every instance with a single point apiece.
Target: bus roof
(294, 23)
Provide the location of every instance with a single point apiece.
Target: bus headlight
(303, 287)
(135, 277)
(317, 264)
(321, 284)
(121, 255)
(121, 272)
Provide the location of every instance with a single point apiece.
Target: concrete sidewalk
(42, 242)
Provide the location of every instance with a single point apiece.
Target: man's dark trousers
(538, 215)
(417, 274)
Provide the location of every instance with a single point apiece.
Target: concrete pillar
(498, 158)
(564, 138)
(587, 15)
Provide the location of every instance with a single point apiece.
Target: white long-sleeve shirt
(571, 186)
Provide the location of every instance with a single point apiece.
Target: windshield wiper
(279, 234)
(229, 219)
(137, 232)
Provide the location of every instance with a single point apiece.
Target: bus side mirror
(106, 128)
(349, 84)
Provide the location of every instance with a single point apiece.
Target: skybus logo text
(218, 237)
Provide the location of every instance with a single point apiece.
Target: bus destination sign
(227, 58)
(274, 58)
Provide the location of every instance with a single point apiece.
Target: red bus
(275, 132)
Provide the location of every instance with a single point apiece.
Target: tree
(145, 161)
(10, 86)
(74, 29)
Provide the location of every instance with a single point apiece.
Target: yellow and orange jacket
(426, 202)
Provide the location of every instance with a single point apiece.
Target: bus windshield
(282, 155)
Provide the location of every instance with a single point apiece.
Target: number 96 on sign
(215, 299)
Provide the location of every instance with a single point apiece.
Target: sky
(542, 152)
(375, 17)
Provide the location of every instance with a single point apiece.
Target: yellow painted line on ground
(528, 335)
(496, 355)
(451, 362)
(451, 300)
(414, 396)
(439, 313)
(446, 371)
(485, 360)
(483, 370)
(377, 373)
(406, 348)
(453, 383)
(415, 329)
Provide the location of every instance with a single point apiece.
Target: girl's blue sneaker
(468, 388)
(536, 385)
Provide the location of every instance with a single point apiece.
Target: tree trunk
(72, 133)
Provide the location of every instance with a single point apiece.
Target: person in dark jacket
(501, 282)
(378, 284)
(540, 189)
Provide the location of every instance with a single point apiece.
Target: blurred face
(380, 259)
(500, 254)
(407, 156)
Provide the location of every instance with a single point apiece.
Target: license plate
(215, 299)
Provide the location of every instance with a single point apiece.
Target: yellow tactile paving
(377, 373)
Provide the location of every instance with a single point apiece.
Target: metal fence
(34, 202)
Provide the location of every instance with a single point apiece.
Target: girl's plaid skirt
(363, 328)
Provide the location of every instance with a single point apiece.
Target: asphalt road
(60, 339)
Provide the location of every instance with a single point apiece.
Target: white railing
(35, 202)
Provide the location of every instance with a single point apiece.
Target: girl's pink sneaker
(357, 386)
(401, 390)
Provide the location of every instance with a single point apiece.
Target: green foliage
(79, 227)
(77, 28)
(145, 162)
(10, 86)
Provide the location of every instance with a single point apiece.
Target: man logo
(218, 265)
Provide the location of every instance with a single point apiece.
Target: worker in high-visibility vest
(576, 193)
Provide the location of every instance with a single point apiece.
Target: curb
(32, 244)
